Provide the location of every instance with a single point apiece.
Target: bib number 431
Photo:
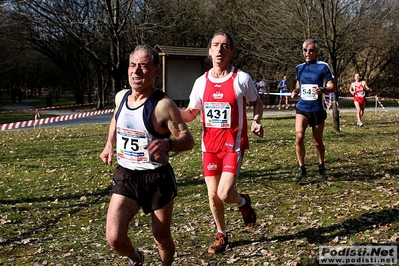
(217, 114)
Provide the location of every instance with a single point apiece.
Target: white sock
(223, 232)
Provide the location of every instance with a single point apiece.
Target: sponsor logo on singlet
(218, 95)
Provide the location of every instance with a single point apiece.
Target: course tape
(385, 109)
(371, 97)
(276, 93)
(340, 97)
(50, 120)
(274, 106)
(42, 121)
(48, 108)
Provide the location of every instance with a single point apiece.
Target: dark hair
(315, 42)
(154, 56)
(225, 34)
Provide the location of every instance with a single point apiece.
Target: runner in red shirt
(222, 95)
(358, 90)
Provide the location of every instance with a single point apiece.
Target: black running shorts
(152, 189)
(314, 118)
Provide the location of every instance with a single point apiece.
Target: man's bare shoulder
(119, 95)
(166, 103)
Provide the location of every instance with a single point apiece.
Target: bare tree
(353, 34)
(93, 38)
(91, 27)
(352, 31)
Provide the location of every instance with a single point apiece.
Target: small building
(181, 66)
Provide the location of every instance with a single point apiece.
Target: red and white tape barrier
(274, 106)
(385, 109)
(371, 97)
(42, 121)
(48, 108)
(351, 98)
(276, 93)
(37, 116)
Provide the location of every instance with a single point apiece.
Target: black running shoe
(301, 173)
(322, 172)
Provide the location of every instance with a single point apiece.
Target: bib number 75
(134, 146)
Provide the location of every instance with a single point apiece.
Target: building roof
(182, 51)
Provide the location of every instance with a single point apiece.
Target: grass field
(54, 194)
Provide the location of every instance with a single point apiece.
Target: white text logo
(358, 255)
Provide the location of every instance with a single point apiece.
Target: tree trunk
(335, 110)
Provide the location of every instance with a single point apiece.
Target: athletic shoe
(322, 172)
(301, 173)
(359, 123)
(131, 263)
(219, 245)
(248, 214)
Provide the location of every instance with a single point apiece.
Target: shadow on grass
(282, 117)
(51, 221)
(103, 192)
(326, 234)
(286, 175)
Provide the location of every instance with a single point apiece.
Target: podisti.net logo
(370, 254)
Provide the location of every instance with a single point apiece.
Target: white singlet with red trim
(223, 105)
(358, 88)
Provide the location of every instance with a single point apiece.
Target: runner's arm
(108, 152)
(168, 112)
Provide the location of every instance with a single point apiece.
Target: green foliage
(54, 193)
